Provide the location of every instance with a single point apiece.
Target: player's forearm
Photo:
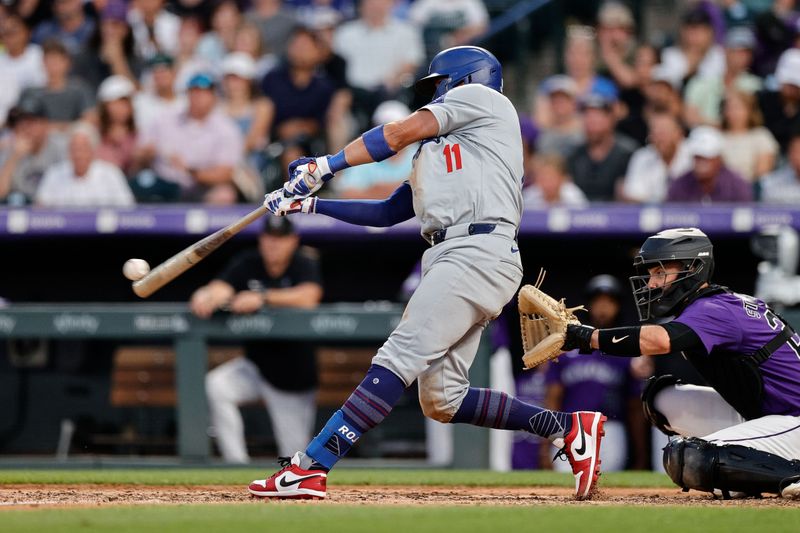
(376, 213)
(384, 141)
(632, 341)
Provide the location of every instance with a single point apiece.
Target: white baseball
(135, 269)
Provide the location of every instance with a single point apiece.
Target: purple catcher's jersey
(525, 452)
(594, 382)
(741, 323)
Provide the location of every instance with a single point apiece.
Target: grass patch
(341, 476)
(377, 519)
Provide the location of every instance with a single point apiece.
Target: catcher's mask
(688, 246)
(460, 65)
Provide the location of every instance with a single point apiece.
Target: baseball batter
(466, 190)
(741, 435)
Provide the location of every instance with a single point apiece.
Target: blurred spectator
(616, 39)
(187, 62)
(248, 40)
(69, 25)
(551, 186)
(84, 180)
(20, 59)
(281, 374)
(776, 30)
(198, 149)
(110, 50)
(598, 382)
(781, 108)
(580, 56)
(598, 165)
(696, 52)
(160, 98)
(30, 151)
(117, 124)
(530, 137)
(382, 55)
(64, 99)
(783, 185)
(155, 29)
(748, 148)
(654, 166)
(217, 43)
(340, 131)
(379, 180)
(33, 11)
(251, 113)
(662, 95)
(299, 94)
(447, 23)
(633, 99)
(709, 180)
(565, 131)
(275, 23)
(704, 93)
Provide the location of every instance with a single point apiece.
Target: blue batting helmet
(461, 65)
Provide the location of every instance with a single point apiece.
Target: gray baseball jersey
(471, 172)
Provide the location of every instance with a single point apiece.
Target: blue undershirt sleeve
(377, 213)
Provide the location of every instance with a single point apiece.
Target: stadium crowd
(115, 102)
(119, 102)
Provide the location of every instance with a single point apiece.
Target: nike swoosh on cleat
(582, 448)
(296, 481)
(615, 340)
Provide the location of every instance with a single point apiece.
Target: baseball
(135, 269)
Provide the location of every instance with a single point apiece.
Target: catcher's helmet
(460, 65)
(693, 249)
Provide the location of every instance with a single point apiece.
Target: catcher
(741, 435)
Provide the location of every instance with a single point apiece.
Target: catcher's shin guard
(697, 464)
(653, 386)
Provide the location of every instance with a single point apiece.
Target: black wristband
(620, 341)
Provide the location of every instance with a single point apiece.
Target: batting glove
(280, 206)
(306, 176)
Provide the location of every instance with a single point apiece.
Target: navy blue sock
(369, 404)
(494, 409)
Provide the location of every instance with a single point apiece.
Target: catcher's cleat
(582, 448)
(291, 482)
(790, 488)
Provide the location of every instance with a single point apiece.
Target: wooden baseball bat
(187, 258)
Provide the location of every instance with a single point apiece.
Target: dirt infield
(65, 496)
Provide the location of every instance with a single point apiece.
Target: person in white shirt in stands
(83, 180)
(655, 165)
(382, 55)
(551, 185)
(747, 146)
(782, 186)
(19, 58)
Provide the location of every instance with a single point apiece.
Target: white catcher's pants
(694, 411)
(237, 382)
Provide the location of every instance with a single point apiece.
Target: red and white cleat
(582, 448)
(291, 482)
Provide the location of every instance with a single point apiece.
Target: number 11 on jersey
(451, 152)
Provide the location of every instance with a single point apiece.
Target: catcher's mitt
(543, 321)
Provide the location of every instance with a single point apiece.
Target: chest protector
(737, 376)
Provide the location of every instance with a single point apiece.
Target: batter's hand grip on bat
(187, 258)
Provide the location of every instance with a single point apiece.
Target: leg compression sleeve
(495, 409)
(369, 404)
